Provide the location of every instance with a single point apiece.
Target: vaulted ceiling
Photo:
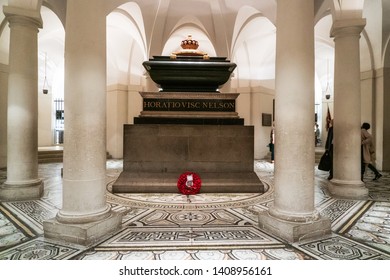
(244, 31)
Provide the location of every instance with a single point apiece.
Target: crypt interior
(72, 79)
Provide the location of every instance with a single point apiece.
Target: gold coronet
(189, 48)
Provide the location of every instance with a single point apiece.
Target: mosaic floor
(200, 227)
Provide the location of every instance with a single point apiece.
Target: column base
(348, 189)
(83, 234)
(24, 191)
(294, 231)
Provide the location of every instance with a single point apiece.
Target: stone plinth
(294, 231)
(18, 191)
(82, 233)
(155, 155)
(348, 189)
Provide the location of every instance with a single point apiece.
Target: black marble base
(196, 121)
(189, 73)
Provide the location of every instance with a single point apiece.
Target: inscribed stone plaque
(213, 105)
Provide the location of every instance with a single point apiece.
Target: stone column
(85, 215)
(346, 180)
(22, 117)
(293, 215)
(383, 138)
(3, 114)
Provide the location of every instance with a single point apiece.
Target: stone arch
(346, 9)
(34, 5)
(386, 53)
(189, 25)
(127, 47)
(253, 64)
(58, 8)
(386, 33)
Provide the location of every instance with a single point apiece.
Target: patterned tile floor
(201, 227)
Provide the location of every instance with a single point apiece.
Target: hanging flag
(328, 119)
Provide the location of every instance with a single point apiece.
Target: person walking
(329, 147)
(368, 151)
(317, 140)
(272, 143)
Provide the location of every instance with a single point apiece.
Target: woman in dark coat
(329, 148)
(272, 143)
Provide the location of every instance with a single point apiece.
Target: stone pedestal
(83, 233)
(12, 192)
(155, 155)
(188, 126)
(294, 231)
(348, 189)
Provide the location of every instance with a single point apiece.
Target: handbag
(325, 162)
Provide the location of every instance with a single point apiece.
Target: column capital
(24, 17)
(347, 27)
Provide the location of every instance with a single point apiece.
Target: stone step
(50, 155)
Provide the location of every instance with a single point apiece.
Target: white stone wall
(117, 110)
(45, 119)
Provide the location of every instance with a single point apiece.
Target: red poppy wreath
(189, 183)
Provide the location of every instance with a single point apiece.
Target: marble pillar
(85, 216)
(22, 117)
(3, 114)
(293, 216)
(346, 180)
(383, 141)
